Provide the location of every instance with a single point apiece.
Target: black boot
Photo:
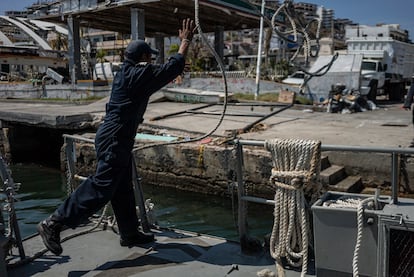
(49, 229)
(137, 238)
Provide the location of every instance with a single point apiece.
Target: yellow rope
(200, 162)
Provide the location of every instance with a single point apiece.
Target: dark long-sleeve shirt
(131, 89)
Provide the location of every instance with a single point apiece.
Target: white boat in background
(190, 95)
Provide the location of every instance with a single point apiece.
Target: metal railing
(243, 198)
(70, 151)
(229, 74)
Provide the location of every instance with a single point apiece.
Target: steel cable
(225, 101)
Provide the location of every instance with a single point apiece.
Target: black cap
(136, 48)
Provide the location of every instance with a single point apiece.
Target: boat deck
(174, 253)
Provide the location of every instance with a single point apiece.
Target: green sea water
(43, 189)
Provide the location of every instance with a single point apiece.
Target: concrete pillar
(219, 41)
(137, 24)
(159, 44)
(74, 49)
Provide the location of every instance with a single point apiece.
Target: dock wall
(95, 88)
(82, 90)
(210, 169)
(191, 167)
(239, 85)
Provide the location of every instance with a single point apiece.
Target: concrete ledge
(332, 175)
(349, 184)
(210, 169)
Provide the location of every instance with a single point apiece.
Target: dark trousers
(110, 183)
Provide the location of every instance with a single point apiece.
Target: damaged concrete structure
(143, 19)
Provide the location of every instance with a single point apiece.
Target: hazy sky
(367, 12)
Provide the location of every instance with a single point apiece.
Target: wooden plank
(286, 97)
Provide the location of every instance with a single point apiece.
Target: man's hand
(186, 35)
(187, 31)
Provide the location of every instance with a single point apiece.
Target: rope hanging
(298, 28)
(296, 165)
(360, 205)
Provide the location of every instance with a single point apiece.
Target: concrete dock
(388, 126)
(51, 114)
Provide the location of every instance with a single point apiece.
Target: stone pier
(208, 166)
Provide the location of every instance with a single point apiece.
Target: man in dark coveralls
(131, 89)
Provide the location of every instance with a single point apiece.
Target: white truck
(387, 65)
(344, 71)
(106, 71)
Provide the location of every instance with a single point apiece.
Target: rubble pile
(342, 101)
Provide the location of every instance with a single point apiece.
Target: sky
(372, 12)
(365, 12)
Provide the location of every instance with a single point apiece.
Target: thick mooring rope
(296, 164)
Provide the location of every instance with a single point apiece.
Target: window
(369, 66)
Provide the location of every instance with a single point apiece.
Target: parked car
(296, 78)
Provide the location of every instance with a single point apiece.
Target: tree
(100, 56)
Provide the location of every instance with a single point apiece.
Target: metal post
(159, 44)
(259, 53)
(139, 198)
(70, 160)
(219, 41)
(137, 24)
(240, 192)
(394, 178)
(74, 49)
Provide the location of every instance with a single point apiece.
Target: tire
(373, 88)
(396, 92)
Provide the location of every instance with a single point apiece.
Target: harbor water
(44, 188)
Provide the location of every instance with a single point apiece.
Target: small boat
(190, 95)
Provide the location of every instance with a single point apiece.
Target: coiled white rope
(296, 164)
(343, 202)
